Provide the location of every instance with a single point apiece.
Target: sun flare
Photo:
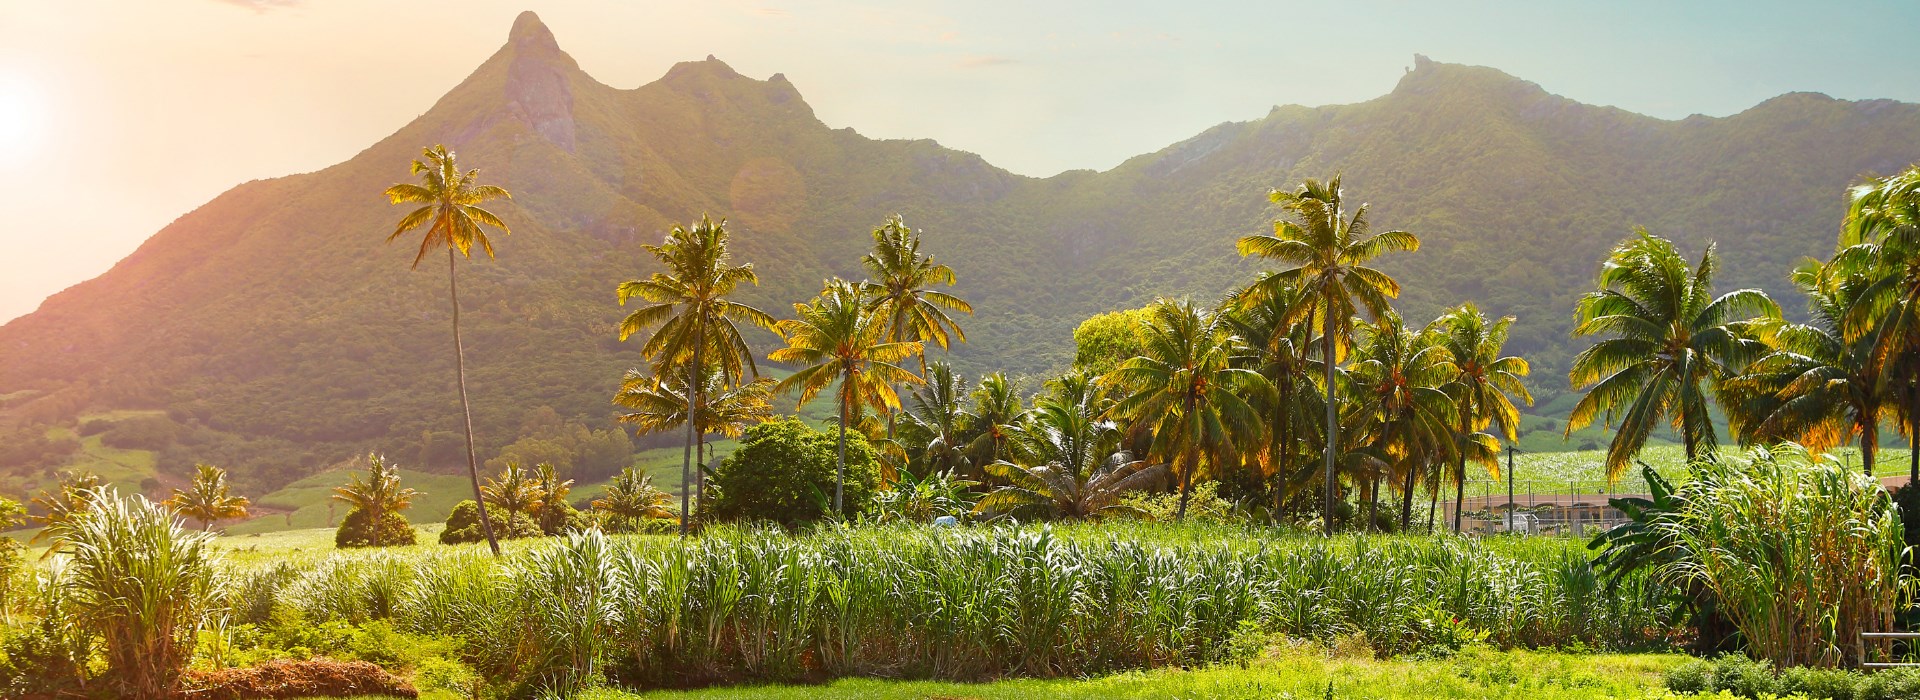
(22, 121)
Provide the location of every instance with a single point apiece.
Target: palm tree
(1669, 342)
(1397, 381)
(1279, 350)
(631, 497)
(515, 491)
(901, 295)
(1814, 386)
(726, 408)
(75, 493)
(208, 498)
(936, 423)
(697, 323)
(1070, 465)
(838, 339)
(550, 506)
(1483, 387)
(450, 210)
(996, 407)
(1187, 385)
(1881, 242)
(1328, 251)
(380, 495)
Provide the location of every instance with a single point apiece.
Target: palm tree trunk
(1913, 438)
(1281, 443)
(1406, 499)
(466, 410)
(1333, 430)
(840, 460)
(687, 482)
(1869, 442)
(1459, 491)
(1433, 504)
(1186, 477)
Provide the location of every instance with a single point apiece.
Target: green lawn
(1298, 674)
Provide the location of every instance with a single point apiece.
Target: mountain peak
(529, 31)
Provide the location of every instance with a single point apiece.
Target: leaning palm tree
(697, 324)
(725, 409)
(1483, 385)
(1188, 386)
(380, 495)
(630, 497)
(208, 498)
(839, 342)
(1069, 464)
(901, 293)
(1670, 342)
(1328, 251)
(1814, 386)
(450, 211)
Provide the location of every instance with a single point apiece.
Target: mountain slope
(282, 334)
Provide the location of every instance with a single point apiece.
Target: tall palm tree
(1279, 350)
(726, 408)
(1188, 385)
(208, 498)
(1398, 380)
(1069, 464)
(1669, 342)
(630, 498)
(1483, 386)
(901, 293)
(697, 323)
(380, 495)
(1328, 251)
(936, 423)
(837, 339)
(1814, 386)
(450, 211)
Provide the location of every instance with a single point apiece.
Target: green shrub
(356, 530)
(1204, 504)
(1819, 683)
(463, 525)
(783, 472)
(1895, 684)
(1691, 676)
(562, 518)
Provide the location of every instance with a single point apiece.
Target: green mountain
(279, 333)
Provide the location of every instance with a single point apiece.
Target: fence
(1567, 508)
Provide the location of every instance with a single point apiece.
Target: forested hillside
(273, 331)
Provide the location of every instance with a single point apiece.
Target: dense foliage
(783, 472)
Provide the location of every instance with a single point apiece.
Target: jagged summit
(528, 30)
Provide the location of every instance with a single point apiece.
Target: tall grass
(742, 604)
(139, 582)
(1802, 552)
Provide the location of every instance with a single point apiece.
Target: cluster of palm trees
(1672, 349)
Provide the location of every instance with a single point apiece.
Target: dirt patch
(292, 679)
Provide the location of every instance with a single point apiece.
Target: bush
(1744, 677)
(463, 525)
(145, 433)
(783, 471)
(1204, 504)
(562, 518)
(356, 530)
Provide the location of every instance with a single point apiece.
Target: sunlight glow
(23, 121)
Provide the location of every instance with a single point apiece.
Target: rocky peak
(539, 81)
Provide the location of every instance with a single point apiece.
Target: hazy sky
(117, 117)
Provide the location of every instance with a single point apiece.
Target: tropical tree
(1813, 386)
(550, 507)
(901, 293)
(208, 498)
(936, 423)
(1880, 244)
(839, 342)
(1187, 384)
(1069, 461)
(1279, 349)
(996, 407)
(1669, 342)
(697, 324)
(1483, 385)
(1327, 250)
(515, 491)
(631, 497)
(450, 212)
(726, 408)
(74, 494)
(1398, 381)
(380, 495)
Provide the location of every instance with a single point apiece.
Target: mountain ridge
(275, 325)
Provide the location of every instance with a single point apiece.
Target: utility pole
(1511, 516)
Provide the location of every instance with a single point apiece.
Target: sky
(118, 117)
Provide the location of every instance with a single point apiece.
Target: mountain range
(277, 332)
